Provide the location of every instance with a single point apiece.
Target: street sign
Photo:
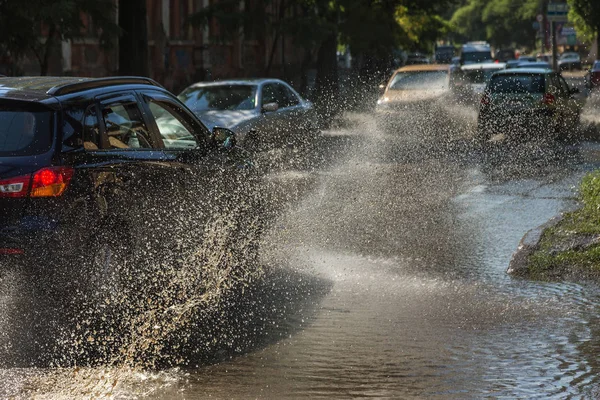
(557, 11)
(539, 18)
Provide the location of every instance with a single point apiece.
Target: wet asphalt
(383, 259)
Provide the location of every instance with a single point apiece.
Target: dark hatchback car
(95, 169)
(528, 102)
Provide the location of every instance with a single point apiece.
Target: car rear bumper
(525, 123)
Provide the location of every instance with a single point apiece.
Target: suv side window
(71, 129)
(80, 129)
(175, 132)
(124, 126)
(91, 130)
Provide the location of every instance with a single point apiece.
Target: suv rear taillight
(548, 99)
(50, 182)
(47, 182)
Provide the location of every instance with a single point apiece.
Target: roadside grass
(572, 247)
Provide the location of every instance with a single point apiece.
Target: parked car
(98, 170)
(527, 102)
(443, 54)
(411, 88)
(262, 112)
(470, 83)
(569, 61)
(416, 59)
(592, 78)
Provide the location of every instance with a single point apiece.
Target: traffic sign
(539, 18)
(557, 11)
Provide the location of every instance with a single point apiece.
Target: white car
(262, 112)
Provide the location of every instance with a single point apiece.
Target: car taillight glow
(15, 187)
(50, 182)
(548, 99)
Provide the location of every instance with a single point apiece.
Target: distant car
(569, 61)
(505, 55)
(534, 64)
(475, 53)
(411, 88)
(592, 78)
(544, 57)
(416, 59)
(527, 102)
(264, 113)
(443, 54)
(512, 64)
(469, 84)
(523, 59)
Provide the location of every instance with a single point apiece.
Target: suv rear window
(517, 83)
(24, 130)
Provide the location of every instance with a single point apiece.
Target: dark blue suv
(97, 169)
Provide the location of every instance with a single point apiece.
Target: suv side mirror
(223, 137)
(270, 107)
(381, 89)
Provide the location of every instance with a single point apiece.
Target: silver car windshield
(221, 97)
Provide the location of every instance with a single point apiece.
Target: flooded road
(385, 278)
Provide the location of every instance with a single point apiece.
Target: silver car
(264, 113)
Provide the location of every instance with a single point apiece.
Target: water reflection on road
(385, 277)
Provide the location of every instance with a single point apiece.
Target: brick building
(180, 54)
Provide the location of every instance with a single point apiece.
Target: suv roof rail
(86, 84)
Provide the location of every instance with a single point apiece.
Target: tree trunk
(326, 85)
(44, 59)
(276, 38)
(133, 43)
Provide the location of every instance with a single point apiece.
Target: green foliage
(590, 195)
(587, 12)
(501, 22)
(21, 24)
(585, 15)
(584, 222)
(373, 26)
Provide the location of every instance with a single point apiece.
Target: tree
(37, 26)
(371, 28)
(133, 42)
(586, 16)
(501, 22)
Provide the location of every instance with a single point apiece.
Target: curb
(529, 243)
